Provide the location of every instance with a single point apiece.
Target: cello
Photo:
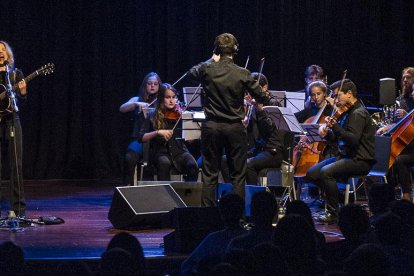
(306, 154)
(402, 134)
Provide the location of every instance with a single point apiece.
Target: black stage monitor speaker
(387, 91)
(142, 206)
(189, 192)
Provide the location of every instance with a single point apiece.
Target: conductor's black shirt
(225, 85)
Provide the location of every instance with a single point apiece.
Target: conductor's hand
(215, 57)
(165, 133)
(323, 131)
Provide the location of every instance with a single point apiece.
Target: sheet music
(283, 118)
(191, 128)
(312, 132)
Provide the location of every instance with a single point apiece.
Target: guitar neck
(27, 79)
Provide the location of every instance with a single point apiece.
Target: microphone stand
(13, 221)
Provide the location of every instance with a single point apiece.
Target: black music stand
(283, 118)
(312, 132)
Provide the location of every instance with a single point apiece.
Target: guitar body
(5, 101)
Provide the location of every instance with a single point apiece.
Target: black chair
(144, 163)
(380, 168)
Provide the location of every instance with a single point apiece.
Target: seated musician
(166, 151)
(312, 73)
(268, 151)
(401, 169)
(353, 130)
(318, 95)
(405, 101)
(147, 93)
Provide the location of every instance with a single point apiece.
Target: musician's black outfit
(269, 145)
(13, 147)
(355, 134)
(331, 148)
(172, 154)
(224, 84)
(134, 152)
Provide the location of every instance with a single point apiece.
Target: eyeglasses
(152, 83)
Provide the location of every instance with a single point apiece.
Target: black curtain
(102, 50)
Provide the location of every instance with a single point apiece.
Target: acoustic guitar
(5, 104)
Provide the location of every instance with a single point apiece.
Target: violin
(333, 120)
(175, 113)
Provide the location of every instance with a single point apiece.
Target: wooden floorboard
(84, 206)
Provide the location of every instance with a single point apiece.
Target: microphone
(6, 64)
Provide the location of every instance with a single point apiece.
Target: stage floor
(84, 206)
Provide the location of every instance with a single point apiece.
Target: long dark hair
(142, 89)
(159, 122)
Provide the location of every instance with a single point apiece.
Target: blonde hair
(9, 52)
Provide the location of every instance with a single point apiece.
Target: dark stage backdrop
(103, 49)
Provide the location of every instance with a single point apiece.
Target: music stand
(280, 96)
(283, 118)
(191, 129)
(312, 132)
(197, 101)
(295, 100)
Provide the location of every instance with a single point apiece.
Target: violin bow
(261, 68)
(185, 107)
(340, 86)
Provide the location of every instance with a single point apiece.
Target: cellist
(353, 131)
(401, 169)
(319, 106)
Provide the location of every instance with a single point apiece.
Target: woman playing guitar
(9, 77)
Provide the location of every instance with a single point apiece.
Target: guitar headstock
(46, 69)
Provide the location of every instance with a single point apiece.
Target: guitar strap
(13, 77)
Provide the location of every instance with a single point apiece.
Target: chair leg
(263, 181)
(347, 186)
(354, 189)
(135, 175)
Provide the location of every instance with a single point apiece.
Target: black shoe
(327, 218)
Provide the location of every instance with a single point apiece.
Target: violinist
(353, 131)
(147, 93)
(224, 84)
(167, 150)
(269, 144)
